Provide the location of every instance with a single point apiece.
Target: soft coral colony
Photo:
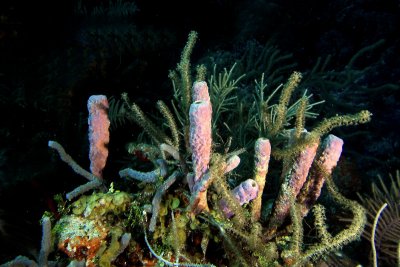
(184, 212)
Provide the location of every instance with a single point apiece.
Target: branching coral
(45, 249)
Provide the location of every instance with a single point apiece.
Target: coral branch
(157, 199)
(347, 235)
(46, 242)
(44, 250)
(165, 148)
(83, 189)
(262, 150)
(147, 177)
(94, 181)
(64, 156)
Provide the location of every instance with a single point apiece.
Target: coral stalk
(64, 156)
(46, 242)
(157, 199)
(262, 155)
(94, 181)
(347, 235)
(147, 177)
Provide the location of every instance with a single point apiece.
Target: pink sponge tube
(244, 193)
(99, 134)
(200, 137)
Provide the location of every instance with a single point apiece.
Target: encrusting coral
(84, 234)
(192, 205)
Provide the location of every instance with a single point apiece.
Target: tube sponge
(200, 137)
(243, 193)
(99, 134)
(327, 159)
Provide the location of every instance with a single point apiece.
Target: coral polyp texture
(195, 206)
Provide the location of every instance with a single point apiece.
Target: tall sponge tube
(99, 135)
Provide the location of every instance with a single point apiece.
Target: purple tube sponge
(200, 114)
(232, 163)
(244, 193)
(327, 159)
(200, 92)
(293, 180)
